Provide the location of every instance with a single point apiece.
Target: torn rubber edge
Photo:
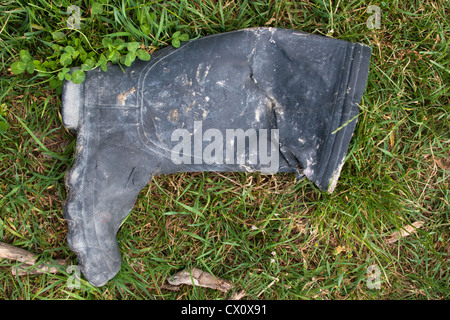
(341, 130)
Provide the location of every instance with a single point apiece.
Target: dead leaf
(198, 278)
(339, 249)
(404, 232)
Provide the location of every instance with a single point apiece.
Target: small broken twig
(37, 269)
(270, 284)
(28, 259)
(13, 253)
(238, 295)
(170, 287)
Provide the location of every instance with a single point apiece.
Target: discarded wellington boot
(262, 99)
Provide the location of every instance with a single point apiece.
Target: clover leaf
(25, 63)
(177, 37)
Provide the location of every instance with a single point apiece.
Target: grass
(269, 235)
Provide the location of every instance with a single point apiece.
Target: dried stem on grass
(28, 259)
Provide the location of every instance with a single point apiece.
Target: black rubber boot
(262, 99)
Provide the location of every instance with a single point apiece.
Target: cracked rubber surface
(305, 86)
